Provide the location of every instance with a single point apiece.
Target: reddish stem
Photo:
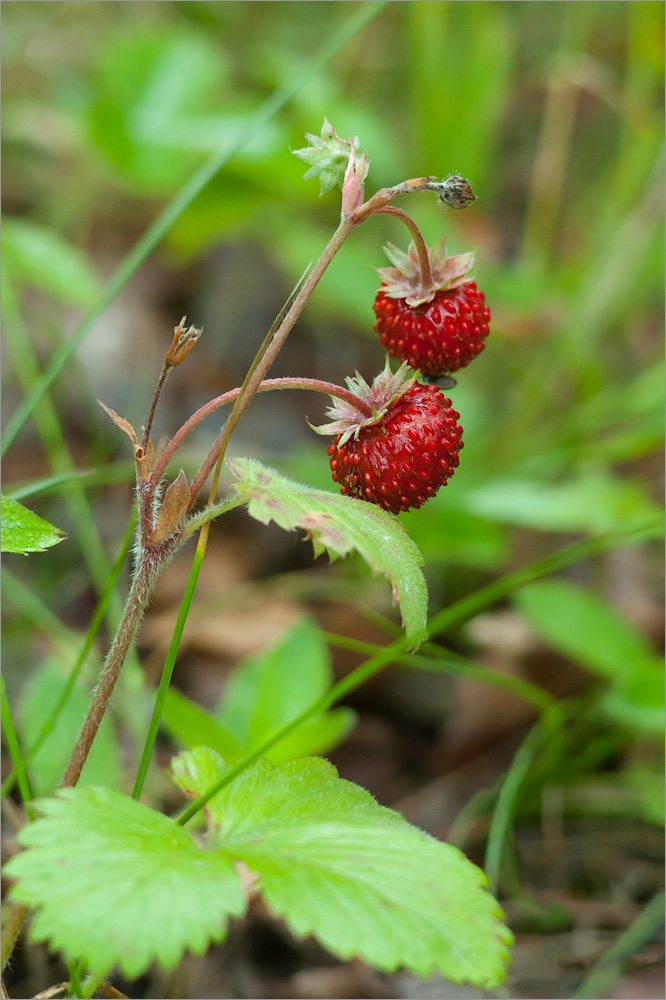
(316, 385)
(419, 242)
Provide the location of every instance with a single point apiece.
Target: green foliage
(577, 623)
(261, 696)
(37, 256)
(333, 863)
(339, 525)
(115, 883)
(328, 859)
(47, 765)
(154, 108)
(562, 106)
(24, 531)
(594, 503)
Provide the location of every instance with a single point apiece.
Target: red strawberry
(400, 456)
(429, 313)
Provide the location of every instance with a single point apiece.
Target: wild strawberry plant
(113, 883)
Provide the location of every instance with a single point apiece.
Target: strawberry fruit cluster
(430, 315)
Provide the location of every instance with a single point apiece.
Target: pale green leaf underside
(118, 884)
(335, 864)
(24, 531)
(339, 525)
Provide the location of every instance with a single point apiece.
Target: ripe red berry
(436, 321)
(401, 461)
(439, 336)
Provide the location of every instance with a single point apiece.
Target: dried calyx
(409, 280)
(348, 420)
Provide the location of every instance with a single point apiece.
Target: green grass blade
(46, 484)
(39, 613)
(468, 607)
(501, 821)
(437, 660)
(600, 978)
(50, 431)
(169, 664)
(364, 13)
(12, 742)
(114, 472)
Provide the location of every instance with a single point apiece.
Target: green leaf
(38, 256)
(270, 690)
(192, 725)
(335, 864)
(115, 883)
(338, 525)
(596, 503)
(24, 531)
(577, 623)
(262, 695)
(46, 767)
(638, 700)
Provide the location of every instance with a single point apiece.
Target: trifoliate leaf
(24, 531)
(338, 525)
(335, 864)
(115, 883)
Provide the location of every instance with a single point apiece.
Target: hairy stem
(11, 930)
(142, 584)
(315, 385)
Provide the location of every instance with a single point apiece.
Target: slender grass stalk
(267, 354)
(82, 656)
(170, 662)
(47, 484)
(441, 661)
(600, 978)
(467, 607)
(75, 989)
(156, 232)
(114, 472)
(55, 446)
(511, 785)
(14, 748)
(344, 687)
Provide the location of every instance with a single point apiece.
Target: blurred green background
(553, 110)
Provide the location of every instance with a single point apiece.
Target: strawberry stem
(419, 242)
(315, 385)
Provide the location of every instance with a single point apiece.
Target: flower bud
(455, 192)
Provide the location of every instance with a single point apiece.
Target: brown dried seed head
(183, 342)
(456, 192)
